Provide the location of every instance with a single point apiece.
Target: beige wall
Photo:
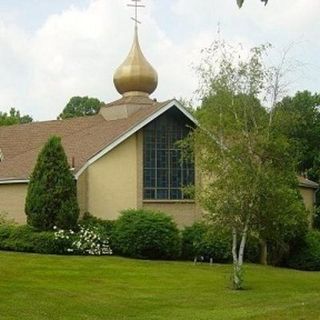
(139, 145)
(82, 192)
(308, 195)
(112, 182)
(12, 200)
(184, 213)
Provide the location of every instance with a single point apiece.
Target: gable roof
(85, 139)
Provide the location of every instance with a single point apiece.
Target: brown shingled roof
(82, 138)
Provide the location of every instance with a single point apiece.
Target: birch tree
(238, 153)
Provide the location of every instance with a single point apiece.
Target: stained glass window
(165, 173)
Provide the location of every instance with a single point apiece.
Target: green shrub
(27, 239)
(146, 234)
(192, 240)
(306, 255)
(5, 232)
(207, 241)
(52, 195)
(104, 227)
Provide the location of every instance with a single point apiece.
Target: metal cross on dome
(136, 6)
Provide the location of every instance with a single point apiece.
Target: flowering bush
(87, 241)
(104, 227)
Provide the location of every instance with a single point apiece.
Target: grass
(56, 287)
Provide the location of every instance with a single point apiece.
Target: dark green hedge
(207, 241)
(306, 255)
(146, 234)
(27, 239)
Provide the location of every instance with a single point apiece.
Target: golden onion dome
(135, 75)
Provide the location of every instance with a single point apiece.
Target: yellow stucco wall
(184, 213)
(12, 200)
(82, 192)
(112, 181)
(139, 145)
(308, 197)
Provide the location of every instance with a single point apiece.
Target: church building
(124, 157)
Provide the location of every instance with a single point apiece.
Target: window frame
(174, 132)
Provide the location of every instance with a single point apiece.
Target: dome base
(135, 94)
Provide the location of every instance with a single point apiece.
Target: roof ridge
(47, 121)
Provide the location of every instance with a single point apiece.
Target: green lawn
(55, 287)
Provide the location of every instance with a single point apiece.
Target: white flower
(86, 241)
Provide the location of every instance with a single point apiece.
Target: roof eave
(14, 181)
(309, 186)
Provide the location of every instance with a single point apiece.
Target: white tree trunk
(234, 245)
(238, 256)
(236, 280)
(243, 243)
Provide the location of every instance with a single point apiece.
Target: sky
(53, 50)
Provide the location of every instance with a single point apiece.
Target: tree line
(76, 107)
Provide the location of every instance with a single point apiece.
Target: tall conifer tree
(52, 196)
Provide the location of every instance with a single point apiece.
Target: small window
(165, 174)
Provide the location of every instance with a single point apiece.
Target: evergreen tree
(52, 196)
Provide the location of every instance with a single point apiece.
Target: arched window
(164, 173)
